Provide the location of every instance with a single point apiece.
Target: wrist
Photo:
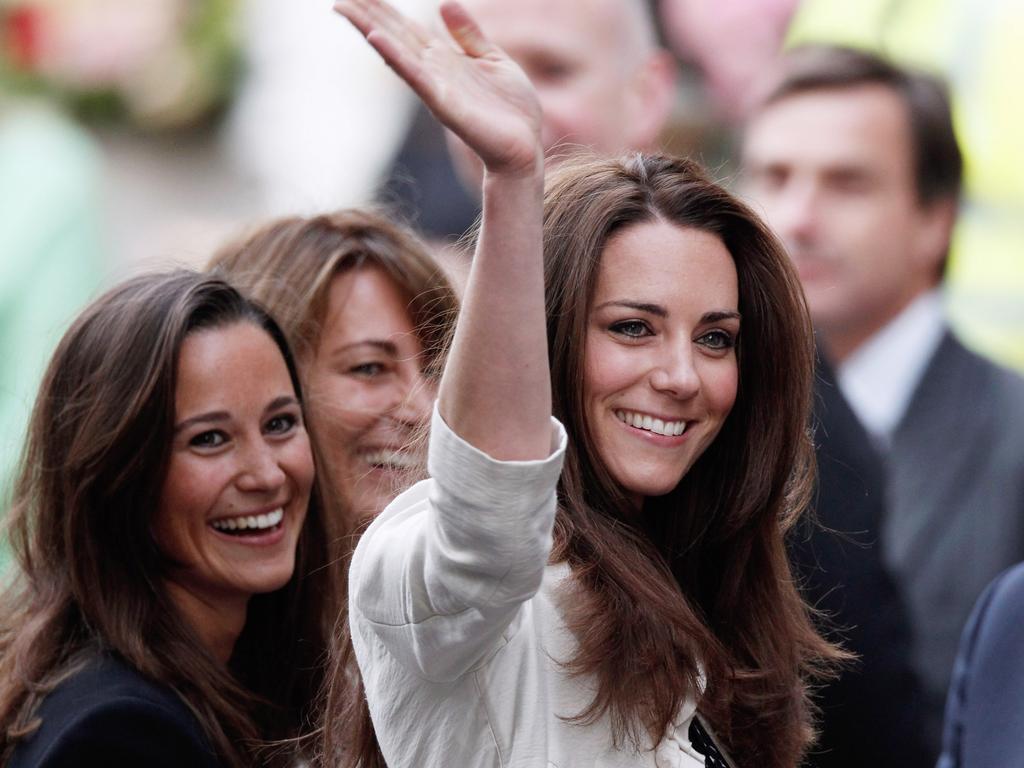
(525, 178)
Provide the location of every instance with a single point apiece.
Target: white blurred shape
(319, 115)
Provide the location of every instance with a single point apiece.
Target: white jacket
(458, 630)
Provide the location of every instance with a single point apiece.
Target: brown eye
(213, 438)
(279, 425)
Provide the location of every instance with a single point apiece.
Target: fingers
(464, 30)
(370, 15)
(406, 65)
(394, 37)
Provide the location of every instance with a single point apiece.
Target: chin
(273, 580)
(650, 486)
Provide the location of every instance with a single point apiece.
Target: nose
(677, 374)
(794, 215)
(260, 470)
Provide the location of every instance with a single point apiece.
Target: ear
(935, 229)
(651, 99)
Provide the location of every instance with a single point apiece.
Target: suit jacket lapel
(933, 451)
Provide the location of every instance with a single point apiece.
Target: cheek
(190, 490)
(721, 385)
(192, 486)
(298, 461)
(341, 406)
(607, 368)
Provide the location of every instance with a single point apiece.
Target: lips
(650, 423)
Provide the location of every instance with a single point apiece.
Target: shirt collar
(880, 377)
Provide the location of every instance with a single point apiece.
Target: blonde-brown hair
(287, 266)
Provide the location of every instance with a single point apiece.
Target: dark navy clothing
(985, 710)
(107, 714)
(872, 715)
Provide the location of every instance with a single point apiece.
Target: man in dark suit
(837, 558)
(984, 717)
(856, 166)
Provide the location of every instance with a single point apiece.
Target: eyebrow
(387, 347)
(659, 311)
(651, 309)
(218, 417)
(281, 402)
(213, 417)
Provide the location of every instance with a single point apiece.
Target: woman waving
(635, 608)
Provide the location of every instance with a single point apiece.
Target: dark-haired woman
(634, 607)
(174, 582)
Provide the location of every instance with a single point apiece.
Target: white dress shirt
(879, 378)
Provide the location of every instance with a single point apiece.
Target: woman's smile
(660, 360)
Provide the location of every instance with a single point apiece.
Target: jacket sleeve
(442, 574)
(984, 719)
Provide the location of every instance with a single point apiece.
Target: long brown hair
(698, 583)
(91, 578)
(288, 266)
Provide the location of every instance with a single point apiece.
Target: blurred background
(137, 133)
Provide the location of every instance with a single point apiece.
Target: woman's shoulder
(107, 713)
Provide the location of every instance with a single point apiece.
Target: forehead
(683, 269)
(236, 365)
(865, 125)
(568, 26)
(365, 302)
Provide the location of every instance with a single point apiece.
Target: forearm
(496, 390)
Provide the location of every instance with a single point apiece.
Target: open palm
(471, 86)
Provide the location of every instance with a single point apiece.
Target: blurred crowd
(879, 140)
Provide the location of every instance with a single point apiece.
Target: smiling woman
(661, 373)
(370, 316)
(167, 541)
(609, 586)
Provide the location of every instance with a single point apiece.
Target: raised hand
(469, 84)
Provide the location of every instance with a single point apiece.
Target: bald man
(604, 85)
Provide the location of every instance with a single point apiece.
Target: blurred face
(731, 41)
(833, 172)
(367, 393)
(584, 59)
(660, 359)
(240, 472)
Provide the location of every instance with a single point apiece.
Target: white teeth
(389, 458)
(651, 424)
(253, 522)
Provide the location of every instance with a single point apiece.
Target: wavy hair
(693, 595)
(91, 577)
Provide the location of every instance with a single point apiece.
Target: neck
(842, 340)
(218, 623)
